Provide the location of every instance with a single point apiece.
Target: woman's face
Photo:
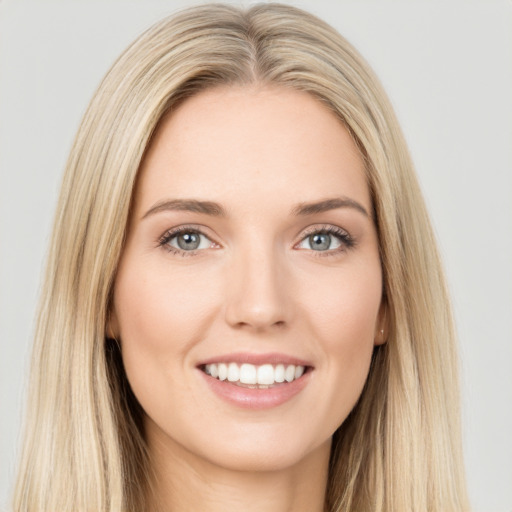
(252, 257)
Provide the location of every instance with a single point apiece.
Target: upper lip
(256, 359)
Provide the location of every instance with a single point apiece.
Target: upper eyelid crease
(216, 210)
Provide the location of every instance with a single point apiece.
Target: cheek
(160, 317)
(159, 310)
(345, 319)
(345, 307)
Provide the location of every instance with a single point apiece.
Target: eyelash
(347, 242)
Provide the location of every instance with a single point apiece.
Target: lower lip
(252, 398)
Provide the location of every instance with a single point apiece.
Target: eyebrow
(189, 205)
(303, 209)
(216, 210)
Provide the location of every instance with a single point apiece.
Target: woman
(244, 305)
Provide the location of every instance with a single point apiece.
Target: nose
(258, 291)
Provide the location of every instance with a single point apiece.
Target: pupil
(320, 241)
(188, 241)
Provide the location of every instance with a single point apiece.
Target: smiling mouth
(255, 376)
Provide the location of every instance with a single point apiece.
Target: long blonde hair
(84, 447)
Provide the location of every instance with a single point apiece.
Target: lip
(252, 398)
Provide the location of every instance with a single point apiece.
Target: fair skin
(258, 285)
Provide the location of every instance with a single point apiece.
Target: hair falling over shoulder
(83, 447)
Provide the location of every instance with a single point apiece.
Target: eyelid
(319, 228)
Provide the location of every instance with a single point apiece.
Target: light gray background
(447, 66)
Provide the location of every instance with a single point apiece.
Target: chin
(269, 453)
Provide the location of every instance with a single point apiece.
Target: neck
(183, 481)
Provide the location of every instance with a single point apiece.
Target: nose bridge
(257, 288)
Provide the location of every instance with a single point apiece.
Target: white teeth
(233, 372)
(248, 374)
(223, 371)
(279, 373)
(289, 373)
(264, 375)
(214, 370)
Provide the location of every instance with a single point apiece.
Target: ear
(382, 325)
(112, 327)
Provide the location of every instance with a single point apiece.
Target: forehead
(249, 145)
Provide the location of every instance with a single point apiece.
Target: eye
(185, 241)
(328, 239)
(324, 241)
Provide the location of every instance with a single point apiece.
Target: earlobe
(112, 327)
(382, 327)
(380, 337)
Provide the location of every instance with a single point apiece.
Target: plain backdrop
(447, 66)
